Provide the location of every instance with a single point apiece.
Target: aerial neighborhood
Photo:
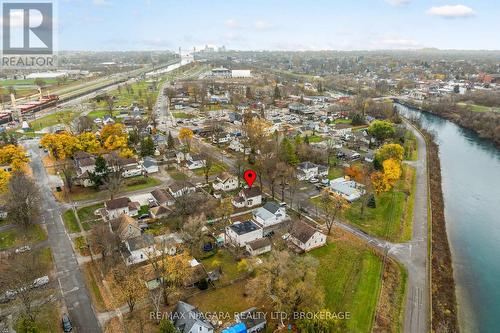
(128, 208)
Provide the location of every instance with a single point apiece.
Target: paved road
(69, 276)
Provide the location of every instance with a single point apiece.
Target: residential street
(69, 276)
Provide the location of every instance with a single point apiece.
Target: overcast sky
(278, 24)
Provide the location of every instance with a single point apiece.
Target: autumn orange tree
(385, 181)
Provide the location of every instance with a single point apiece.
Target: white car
(313, 180)
(23, 249)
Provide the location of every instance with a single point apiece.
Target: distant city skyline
(113, 25)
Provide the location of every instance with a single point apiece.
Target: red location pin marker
(249, 176)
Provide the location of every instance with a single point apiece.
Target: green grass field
(393, 215)
(226, 261)
(70, 221)
(87, 213)
(60, 117)
(18, 237)
(350, 278)
(479, 108)
(217, 168)
(101, 113)
(183, 115)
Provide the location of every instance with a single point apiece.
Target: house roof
(149, 161)
(196, 274)
(160, 210)
(302, 231)
(306, 166)
(252, 318)
(119, 225)
(185, 316)
(180, 185)
(161, 196)
(244, 227)
(259, 243)
(271, 206)
(140, 242)
(117, 203)
(252, 192)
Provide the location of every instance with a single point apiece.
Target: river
(470, 169)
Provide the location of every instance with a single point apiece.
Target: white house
(248, 197)
(195, 161)
(150, 165)
(180, 188)
(120, 206)
(188, 319)
(305, 236)
(308, 170)
(139, 249)
(237, 146)
(225, 182)
(241, 233)
(169, 243)
(258, 246)
(270, 214)
(348, 189)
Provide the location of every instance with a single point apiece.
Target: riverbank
(484, 124)
(444, 303)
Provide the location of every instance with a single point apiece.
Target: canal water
(470, 169)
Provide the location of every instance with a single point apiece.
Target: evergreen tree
(288, 152)
(166, 326)
(170, 141)
(147, 146)
(306, 140)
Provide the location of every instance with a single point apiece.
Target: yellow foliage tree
(4, 180)
(186, 135)
(391, 150)
(112, 130)
(392, 171)
(13, 155)
(61, 145)
(89, 142)
(379, 182)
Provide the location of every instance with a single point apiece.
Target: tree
(147, 146)
(392, 171)
(166, 326)
(256, 131)
(288, 153)
(332, 205)
(322, 322)
(23, 200)
(357, 119)
(13, 155)
(130, 288)
(382, 130)
(170, 141)
(67, 169)
(89, 143)
(100, 172)
(186, 135)
(277, 92)
(379, 182)
(354, 172)
(288, 282)
(110, 104)
(207, 167)
(17, 274)
(285, 173)
(270, 172)
(113, 182)
(61, 145)
(83, 124)
(4, 180)
(389, 151)
(40, 83)
(104, 241)
(192, 233)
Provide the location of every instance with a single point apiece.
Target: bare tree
(193, 234)
(67, 169)
(23, 200)
(207, 167)
(110, 104)
(17, 277)
(332, 204)
(105, 241)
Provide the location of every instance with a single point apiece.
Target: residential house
(120, 206)
(241, 233)
(197, 273)
(180, 188)
(348, 154)
(255, 321)
(188, 319)
(162, 197)
(305, 236)
(150, 165)
(308, 171)
(248, 197)
(125, 227)
(139, 249)
(258, 246)
(159, 211)
(170, 244)
(270, 215)
(195, 161)
(225, 182)
(348, 189)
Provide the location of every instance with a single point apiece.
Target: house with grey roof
(306, 236)
(348, 189)
(270, 214)
(188, 319)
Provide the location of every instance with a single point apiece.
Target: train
(29, 108)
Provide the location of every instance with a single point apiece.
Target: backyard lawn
(226, 261)
(216, 168)
(350, 277)
(182, 115)
(53, 119)
(392, 218)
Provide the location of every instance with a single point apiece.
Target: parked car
(66, 323)
(143, 216)
(314, 180)
(23, 249)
